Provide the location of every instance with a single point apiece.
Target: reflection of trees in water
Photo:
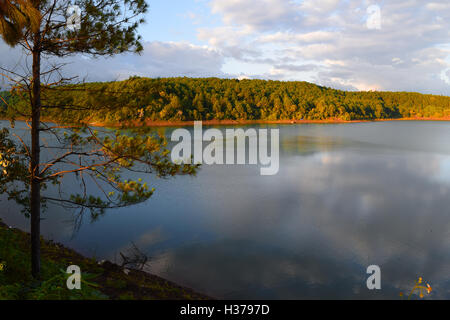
(307, 145)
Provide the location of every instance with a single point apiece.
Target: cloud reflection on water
(346, 197)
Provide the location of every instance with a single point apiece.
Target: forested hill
(178, 99)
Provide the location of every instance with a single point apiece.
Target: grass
(99, 281)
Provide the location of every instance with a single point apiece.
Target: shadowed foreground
(99, 280)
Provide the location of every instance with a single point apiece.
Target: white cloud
(159, 59)
(260, 15)
(325, 41)
(438, 6)
(407, 52)
(310, 37)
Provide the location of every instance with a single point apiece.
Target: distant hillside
(182, 99)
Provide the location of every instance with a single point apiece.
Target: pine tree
(40, 28)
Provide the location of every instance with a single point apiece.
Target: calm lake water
(346, 196)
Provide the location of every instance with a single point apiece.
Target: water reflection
(346, 197)
(312, 233)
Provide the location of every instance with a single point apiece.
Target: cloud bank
(398, 45)
(355, 44)
(160, 59)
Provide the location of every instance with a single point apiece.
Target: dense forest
(178, 99)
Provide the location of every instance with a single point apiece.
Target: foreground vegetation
(187, 99)
(99, 281)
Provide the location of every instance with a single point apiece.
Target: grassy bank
(99, 280)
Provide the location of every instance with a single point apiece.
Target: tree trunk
(35, 196)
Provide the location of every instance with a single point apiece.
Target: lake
(346, 196)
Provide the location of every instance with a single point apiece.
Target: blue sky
(395, 45)
(173, 20)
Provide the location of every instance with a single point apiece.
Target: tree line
(184, 99)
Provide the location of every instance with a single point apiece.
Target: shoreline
(166, 123)
(185, 123)
(112, 280)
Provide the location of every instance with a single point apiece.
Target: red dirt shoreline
(160, 123)
(165, 123)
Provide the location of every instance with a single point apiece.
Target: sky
(393, 45)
